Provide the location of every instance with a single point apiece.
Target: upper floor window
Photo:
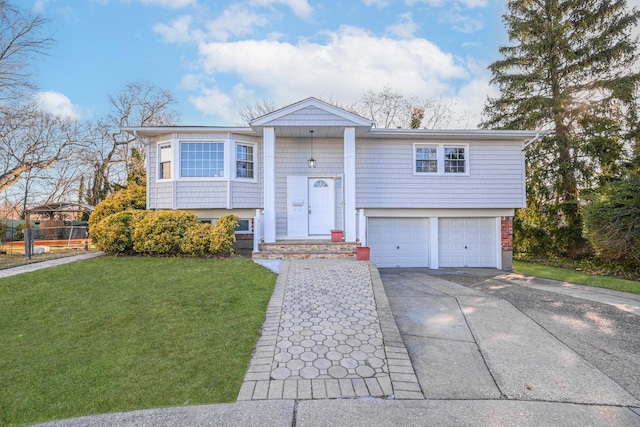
(244, 161)
(441, 159)
(426, 159)
(165, 155)
(201, 159)
(454, 160)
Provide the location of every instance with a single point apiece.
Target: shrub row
(163, 233)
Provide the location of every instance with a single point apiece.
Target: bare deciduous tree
(20, 40)
(388, 108)
(32, 140)
(259, 108)
(109, 153)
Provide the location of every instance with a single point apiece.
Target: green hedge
(164, 233)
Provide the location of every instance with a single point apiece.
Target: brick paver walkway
(329, 333)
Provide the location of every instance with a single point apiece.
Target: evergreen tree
(570, 68)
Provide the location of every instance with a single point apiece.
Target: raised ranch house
(416, 197)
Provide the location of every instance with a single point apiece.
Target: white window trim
(158, 159)
(249, 231)
(225, 164)
(255, 161)
(440, 159)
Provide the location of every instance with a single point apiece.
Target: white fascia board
(470, 134)
(151, 131)
(310, 102)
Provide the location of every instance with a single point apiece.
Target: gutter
(139, 138)
(535, 138)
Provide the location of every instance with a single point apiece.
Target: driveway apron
(468, 344)
(329, 333)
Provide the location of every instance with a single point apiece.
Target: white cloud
(300, 8)
(57, 104)
(237, 20)
(461, 22)
(178, 31)
(351, 62)
(405, 27)
(214, 102)
(170, 4)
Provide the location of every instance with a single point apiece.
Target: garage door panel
(467, 242)
(398, 242)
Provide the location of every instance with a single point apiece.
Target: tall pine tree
(570, 68)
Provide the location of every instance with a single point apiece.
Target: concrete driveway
(477, 334)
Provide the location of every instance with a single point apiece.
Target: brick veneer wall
(507, 233)
(506, 226)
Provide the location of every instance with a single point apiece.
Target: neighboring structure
(416, 197)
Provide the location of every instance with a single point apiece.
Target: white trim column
(269, 140)
(350, 184)
(434, 240)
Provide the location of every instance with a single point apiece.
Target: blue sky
(217, 56)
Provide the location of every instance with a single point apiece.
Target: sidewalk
(27, 268)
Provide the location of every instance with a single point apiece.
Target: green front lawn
(118, 334)
(574, 276)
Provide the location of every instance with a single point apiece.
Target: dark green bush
(19, 231)
(612, 221)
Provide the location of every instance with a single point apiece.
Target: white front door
(321, 206)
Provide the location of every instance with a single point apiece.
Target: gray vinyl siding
(205, 194)
(311, 116)
(291, 159)
(152, 171)
(159, 194)
(201, 194)
(162, 198)
(246, 194)
(385, 178)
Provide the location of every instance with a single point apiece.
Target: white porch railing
(258, 229)
(361, 230)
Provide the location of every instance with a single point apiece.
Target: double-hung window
(202, 159)
(441, 159)
(454, 160)
(165, 155)
(244, 161)
(426, 158)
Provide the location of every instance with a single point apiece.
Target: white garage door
(399, 242)
(467, 242)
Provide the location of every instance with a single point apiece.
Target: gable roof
(308, 114)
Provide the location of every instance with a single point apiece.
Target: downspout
(145, 143)
(537, 137)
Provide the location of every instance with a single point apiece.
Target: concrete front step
(307, 249)
(304, 255)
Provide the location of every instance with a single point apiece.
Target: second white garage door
(467, 242)
(399, 242)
